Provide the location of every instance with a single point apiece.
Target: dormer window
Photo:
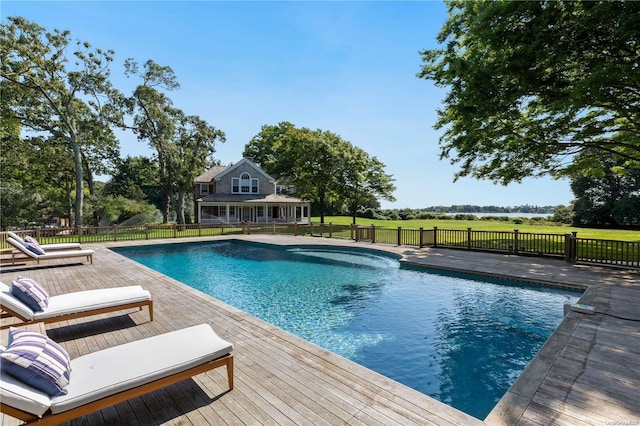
(244, 184)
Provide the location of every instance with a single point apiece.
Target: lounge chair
(75, 305)
(46, 247)
(117, 374)
(58, 254)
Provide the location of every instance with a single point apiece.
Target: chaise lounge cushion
(106, 372)
(11, 302)
(70, 303)
(45, 247)
(16, 394)
(30, 293)
(37, 361)
(64, 254)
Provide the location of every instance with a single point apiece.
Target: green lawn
(489, 225)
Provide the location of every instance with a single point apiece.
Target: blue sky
(346, 67)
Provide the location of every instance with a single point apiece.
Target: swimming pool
(459, 338)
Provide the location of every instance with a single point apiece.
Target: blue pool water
(461, 339)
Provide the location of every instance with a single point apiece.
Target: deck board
(587, 373)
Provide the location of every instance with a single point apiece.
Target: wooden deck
(587, 373)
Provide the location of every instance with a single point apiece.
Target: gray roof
(210, 174)
(251, 198)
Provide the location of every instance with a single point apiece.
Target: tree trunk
(321, 202)
(180, 207)
(77, 158)
(89, 172)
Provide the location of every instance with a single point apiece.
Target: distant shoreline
(498, 214)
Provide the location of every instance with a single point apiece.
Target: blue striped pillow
(36, 361)
(30, 293)
(34, 247)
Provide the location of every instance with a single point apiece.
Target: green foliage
(532, 84)
(62, 99)
(183, 144)
(608, 197)
(116, 210)
(323, 167)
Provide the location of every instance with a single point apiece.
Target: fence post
(569, 247)
(330, 229)
(146, 232)
(516, 242)
(274, 227)
(199, 229)
(421, 243)
(435, 236)
(115, 232)
(175, 230)
(469, 238)
(295, 229)
(355, 233)
(38, 233)
(399, 238)
(373, 233)
(79, 234)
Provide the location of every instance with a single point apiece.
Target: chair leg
(230, 372)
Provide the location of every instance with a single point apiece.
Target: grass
(489, 225)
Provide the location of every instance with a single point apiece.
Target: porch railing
(562, 246)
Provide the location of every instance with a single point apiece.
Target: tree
(152, 120)
(54, 98)
(135, 178)
(533, 84)
(190, 156)
(322, 166)
(183, 144)
(606, 197)
(364, 180)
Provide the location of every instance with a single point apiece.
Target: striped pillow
(34, 247)
(36, 361)
(30, 293)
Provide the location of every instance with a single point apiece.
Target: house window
(260, 211)
(232, 211)
(244, 184)
(204, 188)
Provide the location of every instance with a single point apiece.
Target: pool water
(459, 338)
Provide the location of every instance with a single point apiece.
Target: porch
(253, 212)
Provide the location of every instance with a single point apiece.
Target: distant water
(523, 215)
(455, 337)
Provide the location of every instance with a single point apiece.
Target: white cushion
(52, 255)
(16, 394)
(11, 302)
(81, 301)
(64, 254)
(60, 246)
(109, 371)
(45, 247)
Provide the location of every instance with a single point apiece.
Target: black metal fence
(564, 246)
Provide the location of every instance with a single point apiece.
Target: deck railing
(564, 246)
